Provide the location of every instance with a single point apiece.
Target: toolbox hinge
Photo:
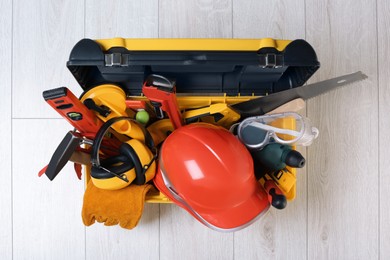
(271, 60)
(116, 59)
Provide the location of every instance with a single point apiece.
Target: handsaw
(68, 150)
(63, 153)
(263, 105)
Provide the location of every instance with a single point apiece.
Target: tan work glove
(123, 207)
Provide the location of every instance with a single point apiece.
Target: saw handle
(291, 106)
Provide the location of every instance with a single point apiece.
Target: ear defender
(134, 164)
(108, 102)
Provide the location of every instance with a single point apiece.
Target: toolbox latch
(116, 59)
(271, 60)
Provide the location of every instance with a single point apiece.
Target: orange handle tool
(135, 104)
(163, 98)
(75, 112)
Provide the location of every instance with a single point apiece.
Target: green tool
(275, 157)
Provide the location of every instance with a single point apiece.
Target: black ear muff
(118, 164)
(113, 172)
(130, 153)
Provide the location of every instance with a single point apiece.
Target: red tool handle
(73, 110)
(164, 99)
(275, 195)
(135, 104)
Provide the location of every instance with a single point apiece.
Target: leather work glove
(123, 206)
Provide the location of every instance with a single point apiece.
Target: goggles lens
(286, 128)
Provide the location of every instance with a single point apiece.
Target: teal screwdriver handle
(275, 157)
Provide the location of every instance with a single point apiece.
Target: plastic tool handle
(294, 159)
(102, 110)
(164, 99)
(62, 154)
(275, 156)
(73, 110)
(275, 195)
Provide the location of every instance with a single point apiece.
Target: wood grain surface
(44, 32)
(269, 19)
(142, 242)
(46, 214)
(195, 19)
(341, 209)
(121, 18)
(5, 130)
(384, 126)
(343, 162)
(191, 240)
(183, 237)
(262, 240)
(124, 19)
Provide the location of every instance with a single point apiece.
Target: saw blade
(263, 105)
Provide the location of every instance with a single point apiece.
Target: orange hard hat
(206, 170)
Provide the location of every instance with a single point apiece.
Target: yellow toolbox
(210, 75)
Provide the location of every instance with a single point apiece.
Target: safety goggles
(257, 132)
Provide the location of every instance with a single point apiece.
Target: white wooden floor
(342, 210)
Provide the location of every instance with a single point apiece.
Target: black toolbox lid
(260, 72)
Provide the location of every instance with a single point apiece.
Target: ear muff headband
(126, 150)
(102, 132)
(125, 164)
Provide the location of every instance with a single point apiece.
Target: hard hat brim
(231, 219)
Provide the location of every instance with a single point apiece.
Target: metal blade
(263, 105)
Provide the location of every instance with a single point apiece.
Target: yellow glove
(123, 207)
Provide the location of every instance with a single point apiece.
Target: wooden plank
(195, 19)
(343, 162)
(279, 233)
(181, 236)
(384, 126)
(5, 130)
(46, 215)
(125, 19)
(263, 19)
(114, 242)
(44, 33)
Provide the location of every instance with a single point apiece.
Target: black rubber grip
(62, 155)
(55, 93)
(279, 201)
